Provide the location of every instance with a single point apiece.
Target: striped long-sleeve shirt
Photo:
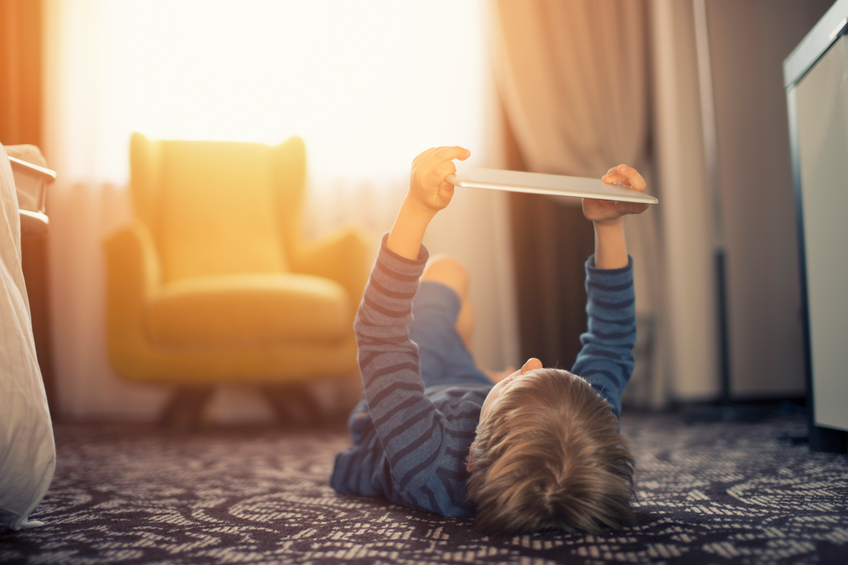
(410, 444)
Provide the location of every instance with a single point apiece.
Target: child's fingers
(446, 188)
(632, 175)
(443, 169)
(422, 157)
(437, 163)
(630, 207)
(600, 202)
(614, 176)
(449, 154)
(627, 176)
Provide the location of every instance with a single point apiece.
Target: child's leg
(451, 273)
(442, 324)
(448, 271)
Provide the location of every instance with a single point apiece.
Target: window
(367, 84)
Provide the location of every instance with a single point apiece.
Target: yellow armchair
(212, 282)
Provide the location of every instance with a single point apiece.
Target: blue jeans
(444, 357)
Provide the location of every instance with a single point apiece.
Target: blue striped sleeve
(606, 359)
(409, 428)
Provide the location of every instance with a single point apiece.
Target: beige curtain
(573, 78)
(589, 83)
(686, 206)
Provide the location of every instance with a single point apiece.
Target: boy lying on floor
(538, 450)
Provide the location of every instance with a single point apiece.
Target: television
(816, 82)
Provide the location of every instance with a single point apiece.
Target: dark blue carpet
(707, 493)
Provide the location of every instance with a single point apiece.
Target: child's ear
(468, 467)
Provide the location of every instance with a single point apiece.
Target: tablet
(537, 183)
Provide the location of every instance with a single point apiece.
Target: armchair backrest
(216, 208)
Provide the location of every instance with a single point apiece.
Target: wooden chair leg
(183, 412)
(293, 404)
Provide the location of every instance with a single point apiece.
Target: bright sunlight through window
(367, 84)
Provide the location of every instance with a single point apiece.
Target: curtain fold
(689, 333)
(573, 77)
(20, 72)
(574, 80)
(21, 123)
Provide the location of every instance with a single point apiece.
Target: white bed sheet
(27, 450)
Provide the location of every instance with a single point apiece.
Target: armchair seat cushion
(260, 308)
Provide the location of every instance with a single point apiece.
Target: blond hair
(549, 456)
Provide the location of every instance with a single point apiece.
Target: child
(538, 450)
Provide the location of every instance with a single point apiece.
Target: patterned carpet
(708, 493)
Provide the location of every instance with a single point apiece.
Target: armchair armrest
(132, 276)
(342, 256)
(131, 256)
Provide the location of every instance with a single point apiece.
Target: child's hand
(607, 212)
(427, 184)
(428, 193)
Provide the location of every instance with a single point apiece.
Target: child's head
(548, 455)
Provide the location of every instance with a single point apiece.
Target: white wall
(748, 42)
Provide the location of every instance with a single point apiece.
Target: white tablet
(537, 183)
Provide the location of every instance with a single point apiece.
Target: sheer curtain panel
(367, 85)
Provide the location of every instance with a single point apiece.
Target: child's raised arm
(428, 193)
(607, 216)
